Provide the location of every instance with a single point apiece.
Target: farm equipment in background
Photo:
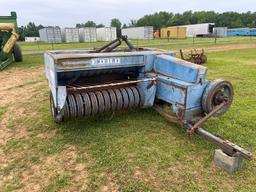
(88, 82)
(194, 56)
(9, 50)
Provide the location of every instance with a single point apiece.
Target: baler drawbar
(87, 82)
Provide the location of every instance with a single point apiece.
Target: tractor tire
(17, 53)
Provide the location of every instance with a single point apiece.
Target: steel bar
(107, 85)
(167, 116)
(191, 130)
(227, 146)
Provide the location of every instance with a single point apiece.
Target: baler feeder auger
(9, 50)
(87, 82)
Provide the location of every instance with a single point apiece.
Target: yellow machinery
(9, 50)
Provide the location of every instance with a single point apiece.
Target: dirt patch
(18, 88)
(110, 186)
(41, 175)
(223, 48)
(19, 85)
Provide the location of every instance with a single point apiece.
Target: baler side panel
(179, 69)
(180, 83)
(51, 75)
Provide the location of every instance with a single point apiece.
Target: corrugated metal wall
(220, 31)
(88, 34)
(50, 35)
(70, 35)
(144, 33)
(106, 34)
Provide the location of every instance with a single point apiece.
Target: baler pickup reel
(88, 82)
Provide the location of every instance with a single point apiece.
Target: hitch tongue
(191, 130)
(228, 147)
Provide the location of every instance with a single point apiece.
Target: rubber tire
(209, 93)
(17, 53)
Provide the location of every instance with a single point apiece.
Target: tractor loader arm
(9, 27)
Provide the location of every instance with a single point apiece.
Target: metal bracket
(191, 130)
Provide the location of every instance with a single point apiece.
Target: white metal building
(220, 31)
(88, 34)
(145, 32)
(50, 35)
(202, 29)
(32, 39)
(106, 33)
(70, 35)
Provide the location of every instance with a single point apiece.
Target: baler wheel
(217, 92)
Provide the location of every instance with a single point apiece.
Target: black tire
(17, 53)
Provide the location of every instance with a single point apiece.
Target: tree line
(165, 19)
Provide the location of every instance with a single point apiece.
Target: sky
(66, 13)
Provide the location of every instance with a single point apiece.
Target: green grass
(160, 43)
(135, 150)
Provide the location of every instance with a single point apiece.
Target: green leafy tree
(30, 30)
(157, 20)
(87, 24)
(116, 23)
(100, 25)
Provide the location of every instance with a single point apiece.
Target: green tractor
(9, 50)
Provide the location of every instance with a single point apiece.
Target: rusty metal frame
(78, 88)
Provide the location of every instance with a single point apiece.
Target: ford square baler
(88, 82)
